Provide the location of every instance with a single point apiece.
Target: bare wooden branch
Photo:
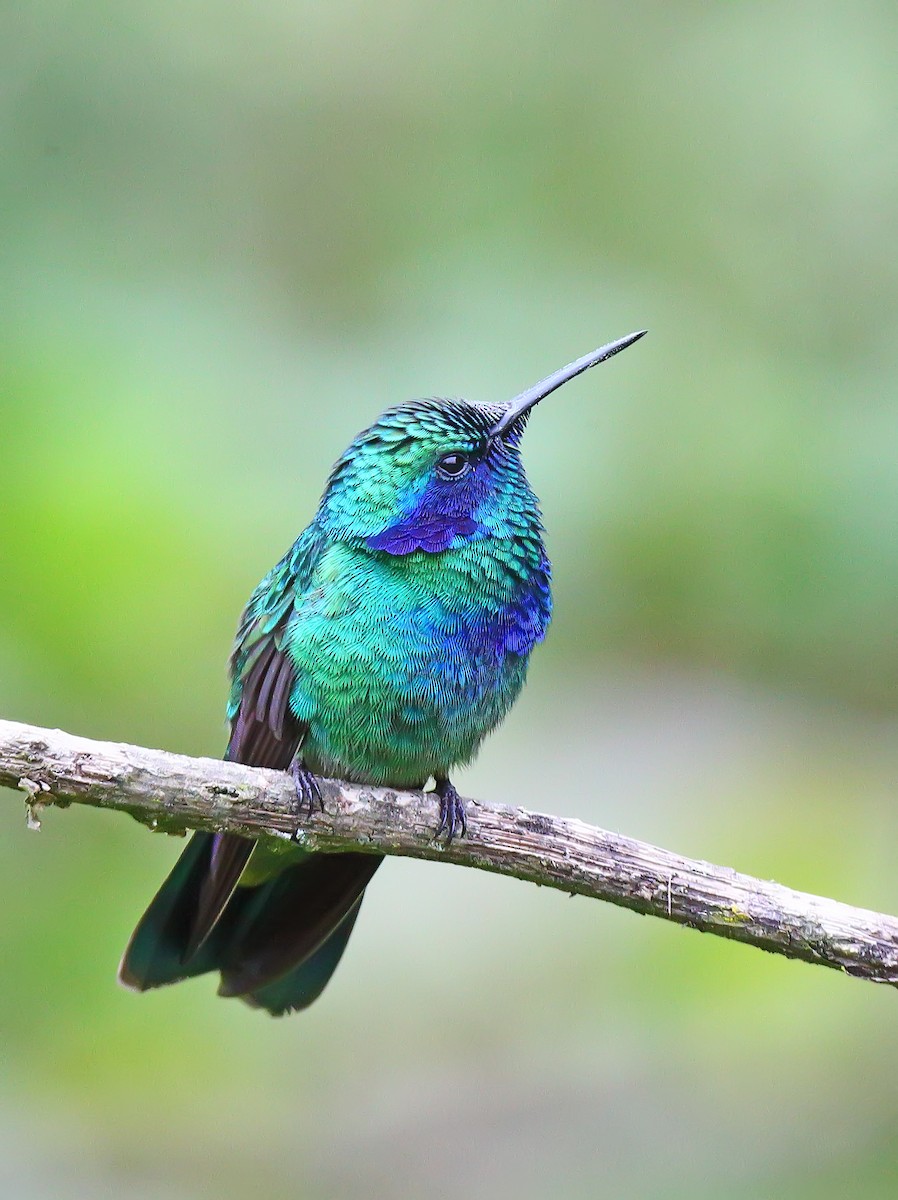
(174, 793)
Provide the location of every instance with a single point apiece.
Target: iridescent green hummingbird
(391, 638)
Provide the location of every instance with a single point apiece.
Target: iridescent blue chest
(405, 662)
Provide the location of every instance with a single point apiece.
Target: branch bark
(174, 793)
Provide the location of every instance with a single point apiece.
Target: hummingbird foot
(308, 793)
(452, 811)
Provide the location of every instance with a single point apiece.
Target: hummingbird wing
(172, 938)
(264, 732)
(276, 942)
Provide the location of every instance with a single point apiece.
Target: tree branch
(174, 793)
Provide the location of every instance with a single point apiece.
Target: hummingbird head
(432, 474)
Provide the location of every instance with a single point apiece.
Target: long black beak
(516, 408)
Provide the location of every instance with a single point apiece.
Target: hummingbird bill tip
(522, 404)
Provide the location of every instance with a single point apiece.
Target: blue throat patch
(433, 534)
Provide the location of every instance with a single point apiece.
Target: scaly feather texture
(385, 645)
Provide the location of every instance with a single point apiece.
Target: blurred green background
(229, 236)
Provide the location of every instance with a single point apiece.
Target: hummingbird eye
(454, 465)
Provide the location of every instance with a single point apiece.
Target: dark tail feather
(228, 855)
(155, 953)
(298, 988)
(289, 918)
(276, 944)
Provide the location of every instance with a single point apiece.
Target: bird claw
(452, 812)
(308, 791)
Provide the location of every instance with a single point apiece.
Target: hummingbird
(390, 639)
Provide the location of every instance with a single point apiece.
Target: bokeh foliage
(229, 235)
